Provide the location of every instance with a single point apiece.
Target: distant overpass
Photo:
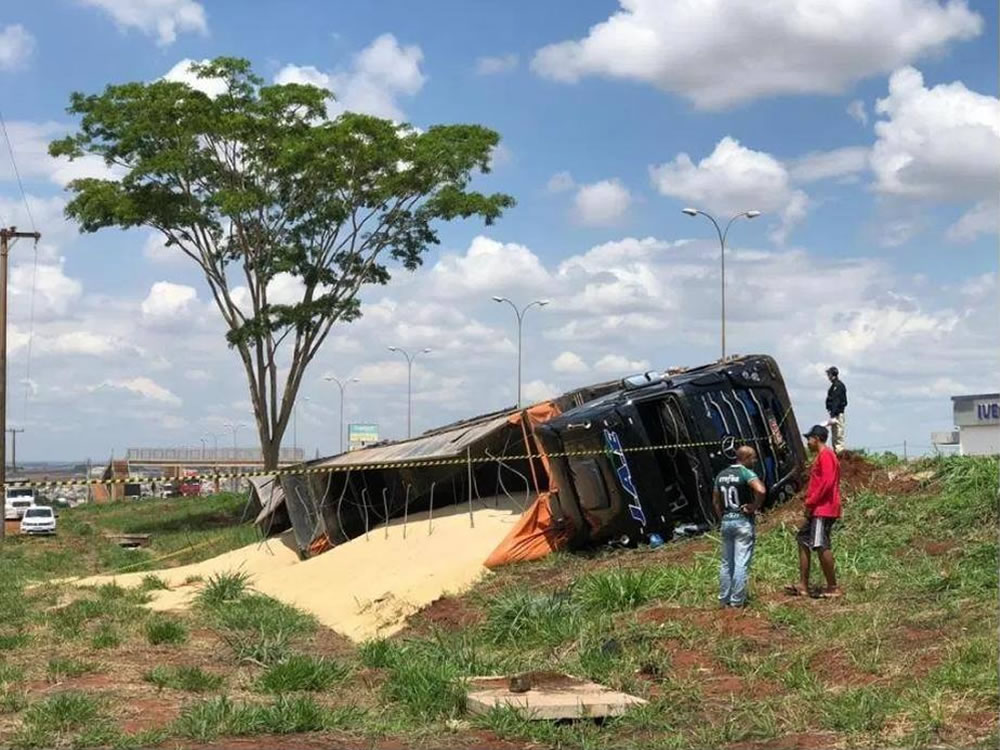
(209, 457)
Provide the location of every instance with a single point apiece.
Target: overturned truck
(616, 461)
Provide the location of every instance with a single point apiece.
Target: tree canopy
(259, 181)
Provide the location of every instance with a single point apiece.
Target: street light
(202, 448)
(215, 457)
(409, 383)
(722, 245)
(520, 319)
(234, 428)
(342, 384)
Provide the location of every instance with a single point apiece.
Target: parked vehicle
(38, 519)
(16, 501)
(647, 453)
(190, 488)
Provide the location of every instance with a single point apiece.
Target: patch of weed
(622, 589)
(160, 630)
(301, 672)
(153, 583)
(191, 679)
(222, 588)
(863, 709)
(105, 637)
(523, 616)
(60, 668)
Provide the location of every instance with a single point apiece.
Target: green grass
(222, 588)
(623, 588)
(901, 660)
(161, 630)
(153, 583)
(106, 636)
(60, 713)
(59, 668)
(190, 679)
(218, 717)
(301, 672)
(524, 616)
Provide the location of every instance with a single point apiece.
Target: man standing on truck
(836, 403)
(821, 511)
(737, 497)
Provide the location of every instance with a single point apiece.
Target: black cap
(832, 371)
(818, 431)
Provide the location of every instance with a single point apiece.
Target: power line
(34, 271)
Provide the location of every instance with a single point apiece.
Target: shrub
(162, 630)
(221, 588)
(300, 672)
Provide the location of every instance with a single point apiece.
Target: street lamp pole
(722, 247)
(409, 384)
(342, 384)
(520, 320)
(234, 428)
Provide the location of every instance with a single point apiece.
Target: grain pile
(363, 588)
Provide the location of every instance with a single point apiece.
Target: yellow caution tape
(400, 464)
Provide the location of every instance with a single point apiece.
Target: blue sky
(868, 134)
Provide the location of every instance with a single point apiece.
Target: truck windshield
(20, 492)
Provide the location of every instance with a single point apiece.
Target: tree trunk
(270, 449)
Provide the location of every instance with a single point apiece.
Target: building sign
(360, 435)
(988, 411)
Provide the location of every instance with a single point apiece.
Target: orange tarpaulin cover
(535, 535)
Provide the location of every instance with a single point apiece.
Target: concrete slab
(551, 697)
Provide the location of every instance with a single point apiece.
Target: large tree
(259, 181)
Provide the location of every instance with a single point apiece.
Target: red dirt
(473, 740)
(149, 713)
(543, 680)
(834, 667)
(445, 613)
(732, 623)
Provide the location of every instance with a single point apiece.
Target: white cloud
(870, 329)
(718, 53)
(856, 109)
(538, 390)
(982, 218)
(731, 179)
(156, 250)
(560, 182)
(488, 267)
(938, 142)
(601, 203)
(182, 73)
(144, 387)
(569, 362)
(55, 292)
(619, 365)
(379, 75)
(16, 46)
(823, 165)
(30, 141)
(500, 156)
(164, 19)
(168, 302)
(486, 66)
(979, 286)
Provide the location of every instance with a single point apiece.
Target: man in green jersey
(737, 497)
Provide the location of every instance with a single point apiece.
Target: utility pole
(13, 453)
(6, 234)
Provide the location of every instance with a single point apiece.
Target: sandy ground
(366, 587)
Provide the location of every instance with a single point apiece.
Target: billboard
(360, 435)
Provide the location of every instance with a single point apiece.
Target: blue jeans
(738, 537)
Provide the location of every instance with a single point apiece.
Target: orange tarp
(535, 535)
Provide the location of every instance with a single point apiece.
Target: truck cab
(643, 459)
(17, 500)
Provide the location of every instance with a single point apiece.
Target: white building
(977, 425)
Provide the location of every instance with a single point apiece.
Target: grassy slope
(908, 658)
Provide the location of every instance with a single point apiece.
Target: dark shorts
(815, 533)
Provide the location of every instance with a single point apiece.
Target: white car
(38, 519)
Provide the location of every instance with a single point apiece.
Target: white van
(16, 501)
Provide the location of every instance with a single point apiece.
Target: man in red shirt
(822, 509)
